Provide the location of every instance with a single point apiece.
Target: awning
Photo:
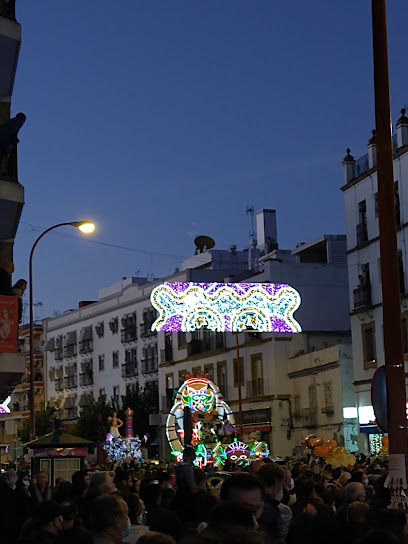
(86, 333)
(70, 338)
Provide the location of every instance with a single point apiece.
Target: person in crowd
(46, 525)
(13, 507)
(40, 489)
(6, 272)
(355, 491)
(109, 519)
(272, 475)
(165, 480)
(159, 518)
(245, 490)
(101, 484)
(185, 485)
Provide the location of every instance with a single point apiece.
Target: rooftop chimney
(266, 230)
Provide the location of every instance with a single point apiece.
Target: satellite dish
(203, 243)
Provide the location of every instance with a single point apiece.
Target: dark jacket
(271, 521)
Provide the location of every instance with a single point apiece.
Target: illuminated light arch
(225, 307)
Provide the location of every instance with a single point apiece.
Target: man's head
(344, 478)
(255, 467)
(21, 117)
(10, 478)
(272, 476)
(189, 454)
(101, 484)
(42, 479)
(245, 490)
(49, 517)
(110, 514)
(355, 491)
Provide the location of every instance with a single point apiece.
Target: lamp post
(86, 227)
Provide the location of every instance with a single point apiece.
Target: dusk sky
(164, 119)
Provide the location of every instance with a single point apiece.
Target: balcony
(86, 346)
(309, 418)
(362, 296)
(212, 343)
(58, 354)
(255, 388)
(86, 378)
(70, 382)
(146, 329)
(149, 366)
(70, 350)
(8, 9)
(129, 370)
(166, 355)
(128, 334)
(362, 234)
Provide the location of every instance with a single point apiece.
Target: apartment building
(363, 252)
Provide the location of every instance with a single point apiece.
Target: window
(116, 393)
(328, 395)
(369, 349)
(169, 381)
(209, 371)
(114, 325)
(312, 405)
(102, 392)
(196, 370)
(241, 372)
(182, 376)
(100, 329)
(181, 340)
(256, 385)
(376, 205)
(115, 359)
(131, 355)
(101, 360)
(296, 406)
(222, 378)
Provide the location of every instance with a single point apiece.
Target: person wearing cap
(47, 524)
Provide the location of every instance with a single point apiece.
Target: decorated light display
(225, 307)
(122, 449)
(212, 423)
(4, 409)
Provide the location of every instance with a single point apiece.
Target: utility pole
(391, 303)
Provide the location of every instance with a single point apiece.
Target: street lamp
(85, 227)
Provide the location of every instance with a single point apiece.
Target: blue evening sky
(164, 119)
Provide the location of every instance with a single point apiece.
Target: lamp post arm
(31, 303)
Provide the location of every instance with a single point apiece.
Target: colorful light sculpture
(122, 449)
(212, 426)
(225, 307)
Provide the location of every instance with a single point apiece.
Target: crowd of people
(263, 502)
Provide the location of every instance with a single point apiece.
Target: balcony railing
(362, 234)
(128, 334)
(362, 296)
(59, 384)
(85, 346)
(255, 388)
(197, 346)
(362, 165)
(129, 370)
(166, 355)
(70, 350)
(86, 378)
(309, 417)
(70, 382)
(8, 9)
(328, 410)
(149, 365)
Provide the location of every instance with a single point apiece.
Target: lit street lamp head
(84, 226)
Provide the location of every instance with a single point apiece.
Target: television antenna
(250, 211)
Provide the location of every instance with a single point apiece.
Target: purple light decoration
(225, 307)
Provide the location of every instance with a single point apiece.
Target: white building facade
(361, 208)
